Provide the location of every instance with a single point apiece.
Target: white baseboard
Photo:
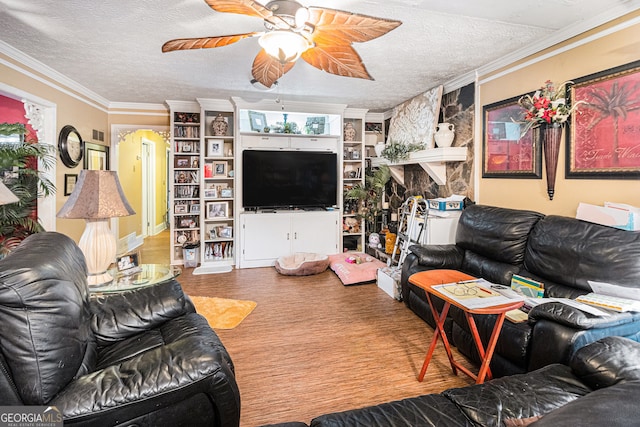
(129, 242)
(159, 228)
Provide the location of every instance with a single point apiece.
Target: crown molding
(547, 42)
(137, 106)
(53, 76)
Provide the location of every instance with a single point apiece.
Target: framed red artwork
(604, 134)
(507, 154)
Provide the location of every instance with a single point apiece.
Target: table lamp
(6, 196)
(96, 198)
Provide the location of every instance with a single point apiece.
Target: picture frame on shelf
(183, 162)
(226, 193)
(258, 121)
(602, 138)
(217, 210)
(70, 180)
(226, 232)
(128, 261)
(211, 193)
(187, 222)
(215, 147)
(96, 156)
(505, 152)
(195, 161)
(180, 209)
(194, 208)
(315, 125)
(219, 169)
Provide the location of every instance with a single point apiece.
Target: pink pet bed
(302, 264)
(355, 267)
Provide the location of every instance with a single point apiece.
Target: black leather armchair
(137, 358)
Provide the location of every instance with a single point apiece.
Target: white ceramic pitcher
(445, 132)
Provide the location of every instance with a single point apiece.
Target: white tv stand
(265, 236)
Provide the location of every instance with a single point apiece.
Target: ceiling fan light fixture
(284, 45)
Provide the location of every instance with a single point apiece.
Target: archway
(146, 190)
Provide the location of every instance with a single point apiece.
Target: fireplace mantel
(432, 160)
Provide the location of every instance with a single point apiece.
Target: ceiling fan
(320, 36)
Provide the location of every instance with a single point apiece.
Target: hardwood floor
(314, 346)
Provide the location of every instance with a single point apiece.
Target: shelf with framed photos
(184, 177)
(217, 251)
(353, 168)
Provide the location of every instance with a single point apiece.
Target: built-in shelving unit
(218, 220)
(184, 177)
(353, 171)
(265, 234)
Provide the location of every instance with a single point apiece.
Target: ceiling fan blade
(266, 69)
(250, 8)
(340, 27)
(243, 7)
(205, 42)
(340, 59)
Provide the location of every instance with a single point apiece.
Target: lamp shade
(97, 195)
(6, 196)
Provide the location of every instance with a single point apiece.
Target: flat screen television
(289, 179)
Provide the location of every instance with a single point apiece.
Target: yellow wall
(598, 55)
(130, 173)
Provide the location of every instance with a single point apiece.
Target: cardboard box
(616, 215)
(446, 205)
(388, 279)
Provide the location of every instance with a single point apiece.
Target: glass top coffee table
(142, 276)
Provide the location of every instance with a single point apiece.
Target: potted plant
(369, 195)
(18, 171)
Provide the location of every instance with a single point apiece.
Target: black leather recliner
(563, 253)
(136, 358)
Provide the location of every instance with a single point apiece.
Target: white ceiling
(112, 48)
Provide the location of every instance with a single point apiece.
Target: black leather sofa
(142, 357)
(563, 253)
(599, 387)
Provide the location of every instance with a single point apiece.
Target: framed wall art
(604, 136)
(96, 156)
(505, 152)
(70, 180)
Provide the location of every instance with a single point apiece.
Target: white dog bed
(302, 264)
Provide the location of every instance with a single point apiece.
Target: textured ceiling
(113, 47)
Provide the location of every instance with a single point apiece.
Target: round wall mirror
(71, 146)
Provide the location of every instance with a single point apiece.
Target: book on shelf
(208, 170)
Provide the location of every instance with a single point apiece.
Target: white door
(148, 188)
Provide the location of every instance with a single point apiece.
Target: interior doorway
(139, 156)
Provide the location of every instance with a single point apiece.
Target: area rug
(222, 313)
